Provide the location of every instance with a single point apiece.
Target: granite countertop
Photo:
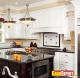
(56, 49)
(26, 60)
(47, 48)
(67, 51)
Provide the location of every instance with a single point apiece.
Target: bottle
(35, 45)
(31, 44)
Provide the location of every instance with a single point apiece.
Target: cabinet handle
(66, 55)
(61, 64)
(66, 62)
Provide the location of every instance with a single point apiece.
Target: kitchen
(35, 50)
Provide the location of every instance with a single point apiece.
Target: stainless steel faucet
(8, 70)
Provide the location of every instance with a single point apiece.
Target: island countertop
(26, 60)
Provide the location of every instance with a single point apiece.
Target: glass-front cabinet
(2, 38)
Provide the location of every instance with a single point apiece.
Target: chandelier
(27, 19)
(1, 19)
(9, 21)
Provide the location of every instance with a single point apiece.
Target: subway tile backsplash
(39, 42)
(5, 45)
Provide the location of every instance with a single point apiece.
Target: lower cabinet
(63, 61)
(51, 62)
(2, 64)
(24, 70)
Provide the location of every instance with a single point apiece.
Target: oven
(40, 69)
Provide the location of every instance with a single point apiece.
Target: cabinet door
(63, 61)
(28, 70)
(30, 33)
(2, 34)
(9, 31)
(66, 61)
(15, 67)
(56, 61)
(47, 18)
(15, 31)
(2, 64)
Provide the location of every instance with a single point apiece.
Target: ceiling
(4, 3)
(19, 6)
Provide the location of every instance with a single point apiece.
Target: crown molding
(70, 13)
(3, 11)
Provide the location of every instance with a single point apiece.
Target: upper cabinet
(15, 31)
(47, 20)
(2, 39)
(51, 19)
(71, 24)
(19, 30)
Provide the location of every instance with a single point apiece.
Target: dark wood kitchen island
(37, 68)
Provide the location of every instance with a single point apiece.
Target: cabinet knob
(66, 55)
(66, 62)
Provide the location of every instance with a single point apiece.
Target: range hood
(50, 29)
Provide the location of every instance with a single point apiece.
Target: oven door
(40, 69)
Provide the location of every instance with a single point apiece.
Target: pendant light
(1, 19)
(9, 21)
(27, 19)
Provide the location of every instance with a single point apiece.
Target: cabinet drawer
(66, 55)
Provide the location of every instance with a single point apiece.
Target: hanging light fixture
(27, 19)
(1, 19)
(9, 21)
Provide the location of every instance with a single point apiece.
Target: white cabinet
(71, 26)
(66, 61)
(29, 33)
(56, 61)
(47, 20)
(2, 34)
(9, 33)
(19, 30)
(51, 20)
(63, 61)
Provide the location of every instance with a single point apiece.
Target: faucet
(7, 68)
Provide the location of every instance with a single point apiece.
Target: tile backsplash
(39, 42)
(6, 44)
